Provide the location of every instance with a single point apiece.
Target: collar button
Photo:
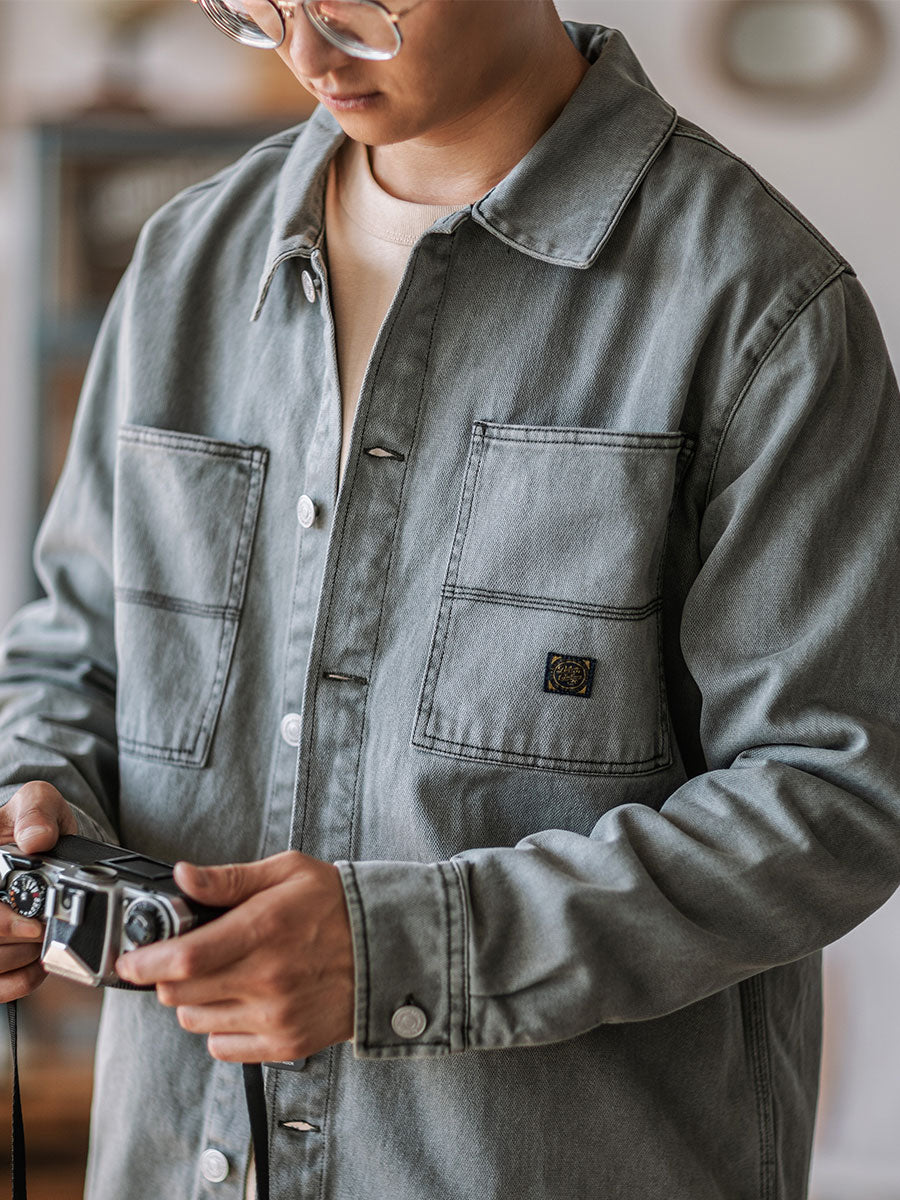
(310, 286)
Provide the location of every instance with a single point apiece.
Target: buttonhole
(300, 1126)
(383, 452)
(344, 678)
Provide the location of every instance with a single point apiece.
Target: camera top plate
(136, 869)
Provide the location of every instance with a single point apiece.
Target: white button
(309, 286)
(214, 1166)
(409, 1021)
(306, 512)
(290, 729)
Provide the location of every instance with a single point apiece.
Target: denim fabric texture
(638, 413)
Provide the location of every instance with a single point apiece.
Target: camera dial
(146, 922)
(28, 894)
(94, 873)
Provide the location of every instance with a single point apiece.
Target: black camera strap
(254, 1090)
(17, 1150)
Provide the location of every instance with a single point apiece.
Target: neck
(462, 160)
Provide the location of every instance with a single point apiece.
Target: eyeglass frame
(286, 10)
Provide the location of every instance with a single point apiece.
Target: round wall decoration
(819, 51)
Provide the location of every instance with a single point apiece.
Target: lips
(346, 102)
(340, 98)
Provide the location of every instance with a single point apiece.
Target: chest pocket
(186, 509)
(546, 652)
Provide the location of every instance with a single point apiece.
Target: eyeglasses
(361, 28)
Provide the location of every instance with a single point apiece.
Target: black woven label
(568, 675)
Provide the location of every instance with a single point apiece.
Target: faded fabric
(595, 650)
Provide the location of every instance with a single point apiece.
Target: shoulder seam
(770, 190)
(841, 269)
(276, 142)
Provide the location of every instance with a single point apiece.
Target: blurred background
(108, 107)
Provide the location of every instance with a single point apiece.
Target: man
(585, 676)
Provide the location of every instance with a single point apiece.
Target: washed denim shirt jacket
(587, 675)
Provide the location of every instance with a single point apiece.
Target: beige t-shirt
(369, 234)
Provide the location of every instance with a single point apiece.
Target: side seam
(756, 1037)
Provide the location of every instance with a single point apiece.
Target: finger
(35, 817)
(21, 983)
(14, 957)
(212, 947)
(219, 987)
(244, 1048)
(14, 928)
(214, 1018)
(228, 885)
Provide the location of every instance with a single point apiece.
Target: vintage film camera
(97, 901)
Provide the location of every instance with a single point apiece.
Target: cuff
(408, 922)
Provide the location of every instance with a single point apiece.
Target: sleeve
(57, 656)
(792, 834)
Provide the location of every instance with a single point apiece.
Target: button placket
(362, 529)
(318, 479)
(354, 543)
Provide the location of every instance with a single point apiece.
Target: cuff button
(409, 1021)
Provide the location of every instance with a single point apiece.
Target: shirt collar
(560, 203)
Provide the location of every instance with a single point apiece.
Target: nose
(309, 53)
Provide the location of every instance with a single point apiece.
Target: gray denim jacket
(588, 675)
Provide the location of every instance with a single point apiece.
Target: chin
(371, 129)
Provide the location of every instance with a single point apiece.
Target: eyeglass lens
(359, 27)
(252, 22)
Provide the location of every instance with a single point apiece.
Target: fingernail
(27, 929)
(34, 831)
(201, 876)
(121, 968)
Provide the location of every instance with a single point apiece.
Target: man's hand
(34, 819)
(271, 980)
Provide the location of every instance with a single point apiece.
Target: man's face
(456, 55)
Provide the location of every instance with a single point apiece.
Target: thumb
(233, 883)
(35, 817)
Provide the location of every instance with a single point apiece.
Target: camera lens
(145, 922)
